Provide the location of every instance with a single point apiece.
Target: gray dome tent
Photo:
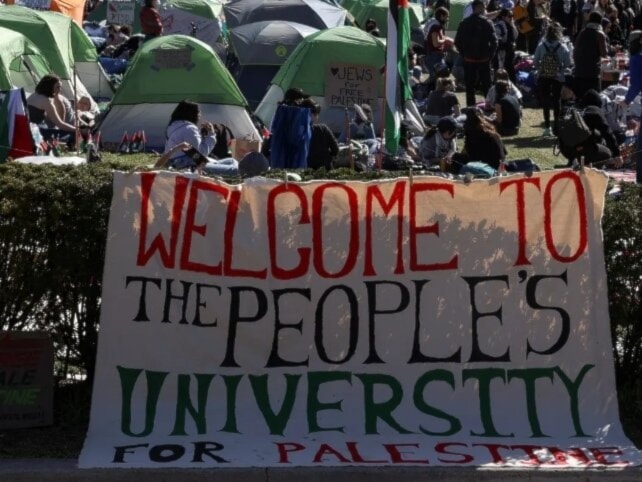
(260, 49)
(320, 14)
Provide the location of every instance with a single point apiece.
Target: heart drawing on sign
(334, 71)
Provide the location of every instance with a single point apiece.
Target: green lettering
(128, 377)
(381, 410)
(315, 380)
(485, 376)
(573, 387)
(184, 403)
(276, 421)
(530, 375)
(231, 386)
(422, 406)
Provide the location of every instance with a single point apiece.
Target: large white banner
(402, 322)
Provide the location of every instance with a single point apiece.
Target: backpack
(549, 66)
(572, 129)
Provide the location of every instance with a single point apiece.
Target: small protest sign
(349, 84)
(26, 379)
(35, 4)
(121, 12)
(173, 59)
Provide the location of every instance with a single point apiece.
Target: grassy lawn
(529, 143)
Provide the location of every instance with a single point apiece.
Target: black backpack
(549, 66)
(572, 129)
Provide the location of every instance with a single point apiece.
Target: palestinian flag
(15, 133)
(397, 87)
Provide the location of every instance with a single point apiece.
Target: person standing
(150, 20)
(635, 87)
(564, 12)
(476, 43)
(436, 41)
(323, 145)
(538, 17)
(590, 49)
(552, 61)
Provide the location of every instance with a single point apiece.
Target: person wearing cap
(635, 87)
(590, 49)
(476, 43)
(294, 96)
(440, 143)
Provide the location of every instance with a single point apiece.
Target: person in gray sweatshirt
(552, 61)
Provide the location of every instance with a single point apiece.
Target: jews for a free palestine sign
(422, 322)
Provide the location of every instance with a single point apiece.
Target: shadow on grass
(535, 142)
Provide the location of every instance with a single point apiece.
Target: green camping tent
(57, 36)
(175, 67)
(378, 11)
(307, 68)
(21, 63)
(165, 71)
(64, 44)
(177, 17)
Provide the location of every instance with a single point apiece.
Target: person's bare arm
(164, 159)
(52, 115)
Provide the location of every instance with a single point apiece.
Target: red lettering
(396, 456)
(601, 453)
(397, 198)
(533, 459)
(325, 449)
(167, 255)
(317, 230)
(429, 229)
(285, 448)
(442, 448)
(548, 221)
(493, 449)
(200, 229)
(230, 223)
(356, 456)
(521, 214)
(304, 253)
(561, 456)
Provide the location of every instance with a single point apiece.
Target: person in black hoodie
(602, 147)
(476, 43)
(323, 145)
(590, 49)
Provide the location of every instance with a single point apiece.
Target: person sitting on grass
(508, 112)
(440, 143)
(481, 141)
(442, 102)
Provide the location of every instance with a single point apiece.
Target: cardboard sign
(26, 379)
(240, 147)
(333, 323)
(121, 12)
(349, 84)
(173, 59)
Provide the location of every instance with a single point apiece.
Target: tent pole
(76, 119)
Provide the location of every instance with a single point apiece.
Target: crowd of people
(566, 45)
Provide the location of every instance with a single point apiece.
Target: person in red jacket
(150, 20)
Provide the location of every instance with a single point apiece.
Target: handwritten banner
(35, 4)
(349, 84)
(423, 322)
(26, 379)
(121, 12)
